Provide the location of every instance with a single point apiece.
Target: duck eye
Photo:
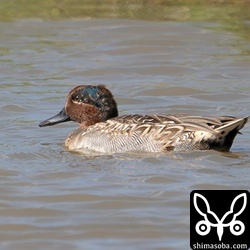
(77, 98)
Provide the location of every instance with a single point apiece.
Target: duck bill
(61, 117)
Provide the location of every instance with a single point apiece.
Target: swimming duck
(101, 129)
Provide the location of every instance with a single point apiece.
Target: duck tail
(232, 125)
(228, 131)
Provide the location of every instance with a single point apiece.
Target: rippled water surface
(54, 199)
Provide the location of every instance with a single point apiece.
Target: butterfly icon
(203, 227)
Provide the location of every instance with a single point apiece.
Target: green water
(224, 11)
(232, 15)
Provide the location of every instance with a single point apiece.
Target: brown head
(87, 105)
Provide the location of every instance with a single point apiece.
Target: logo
(203, 227)
(219, 219)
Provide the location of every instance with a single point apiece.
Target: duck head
(87, 105)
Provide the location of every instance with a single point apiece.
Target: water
(54, 199)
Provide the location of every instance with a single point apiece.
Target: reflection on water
(54, 199)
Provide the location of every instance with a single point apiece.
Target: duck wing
(182, 131)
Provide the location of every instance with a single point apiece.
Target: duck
(94, 108)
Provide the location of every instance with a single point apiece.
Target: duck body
(156, 133)
(102, 130)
